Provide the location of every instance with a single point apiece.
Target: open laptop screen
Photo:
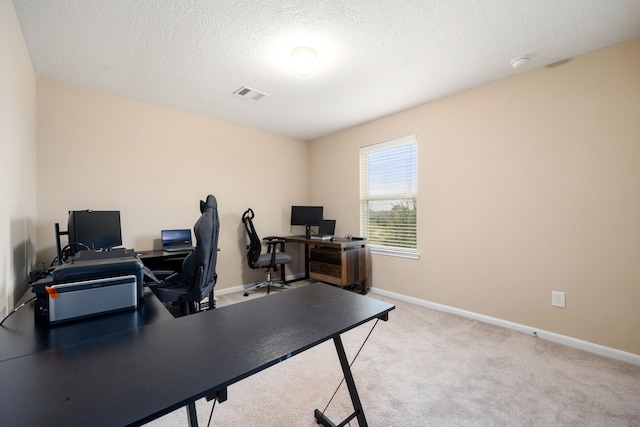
(176, 237)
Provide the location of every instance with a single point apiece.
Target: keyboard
(181, 248)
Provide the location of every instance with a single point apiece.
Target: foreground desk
(21, 336)
(136, 375)
(341, 262)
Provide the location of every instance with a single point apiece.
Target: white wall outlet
(557, 299)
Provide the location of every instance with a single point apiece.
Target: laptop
(327, 228)
(177, 240)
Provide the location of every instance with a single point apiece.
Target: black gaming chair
(256, 259)
(198, 276)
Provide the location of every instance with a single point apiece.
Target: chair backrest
(199, 267)
(254, 247)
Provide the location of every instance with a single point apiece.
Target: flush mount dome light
(303, 61)
(519, 62)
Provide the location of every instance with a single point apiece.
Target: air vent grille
(248, 93)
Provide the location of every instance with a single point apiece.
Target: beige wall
(101, 151)
(527, 185)
(17, 160)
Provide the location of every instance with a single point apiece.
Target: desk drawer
(327, 255)
(325, 269)
(340, 268)
(326, 265)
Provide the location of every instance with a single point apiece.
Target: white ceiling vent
(248, 93)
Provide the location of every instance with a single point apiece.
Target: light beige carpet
(428, 368)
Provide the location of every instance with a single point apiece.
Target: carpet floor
(428, 368)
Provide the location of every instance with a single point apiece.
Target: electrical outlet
(557, 299)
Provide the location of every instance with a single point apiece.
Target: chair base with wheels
(268, 284)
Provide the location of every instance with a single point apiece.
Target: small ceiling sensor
(521, 61)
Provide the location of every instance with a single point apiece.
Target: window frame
(366, 198)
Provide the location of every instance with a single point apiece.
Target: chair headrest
(210, 203)
(248, 214)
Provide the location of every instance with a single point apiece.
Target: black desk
(158, 259)
(129, 377)
(21, 336)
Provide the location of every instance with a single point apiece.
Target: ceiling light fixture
(519, 62)
(303, 61)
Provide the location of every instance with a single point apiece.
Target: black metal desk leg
(192, 415)
(306, 260)
(353, 392)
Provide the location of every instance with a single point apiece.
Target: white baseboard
(226, 291)
(551, 336)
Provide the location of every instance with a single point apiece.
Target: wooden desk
(341, 262)
(141, 373)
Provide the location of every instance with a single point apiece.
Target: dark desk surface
(20, 335)
(139, 374)
(159, 253)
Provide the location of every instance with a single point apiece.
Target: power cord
(16, 309)
(66, 252)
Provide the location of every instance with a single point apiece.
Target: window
(389, 197)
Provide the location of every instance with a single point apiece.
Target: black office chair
(198, 276)
(256, 259)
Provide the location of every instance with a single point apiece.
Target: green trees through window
(395, 226)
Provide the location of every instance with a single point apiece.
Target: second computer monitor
(327, 227)
(94, 230)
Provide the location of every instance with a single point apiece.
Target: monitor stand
(308, 231)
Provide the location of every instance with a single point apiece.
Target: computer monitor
(327, 227)
(309, 216)
(94, 230)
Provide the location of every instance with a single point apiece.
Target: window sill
(396, 252)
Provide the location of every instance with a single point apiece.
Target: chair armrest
(163, 274)
(272, 243)
(157, 277)
(272, 240)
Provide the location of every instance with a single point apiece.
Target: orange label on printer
(52, 292)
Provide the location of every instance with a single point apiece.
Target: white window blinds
(389, 196)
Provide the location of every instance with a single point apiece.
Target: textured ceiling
(376, 57)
